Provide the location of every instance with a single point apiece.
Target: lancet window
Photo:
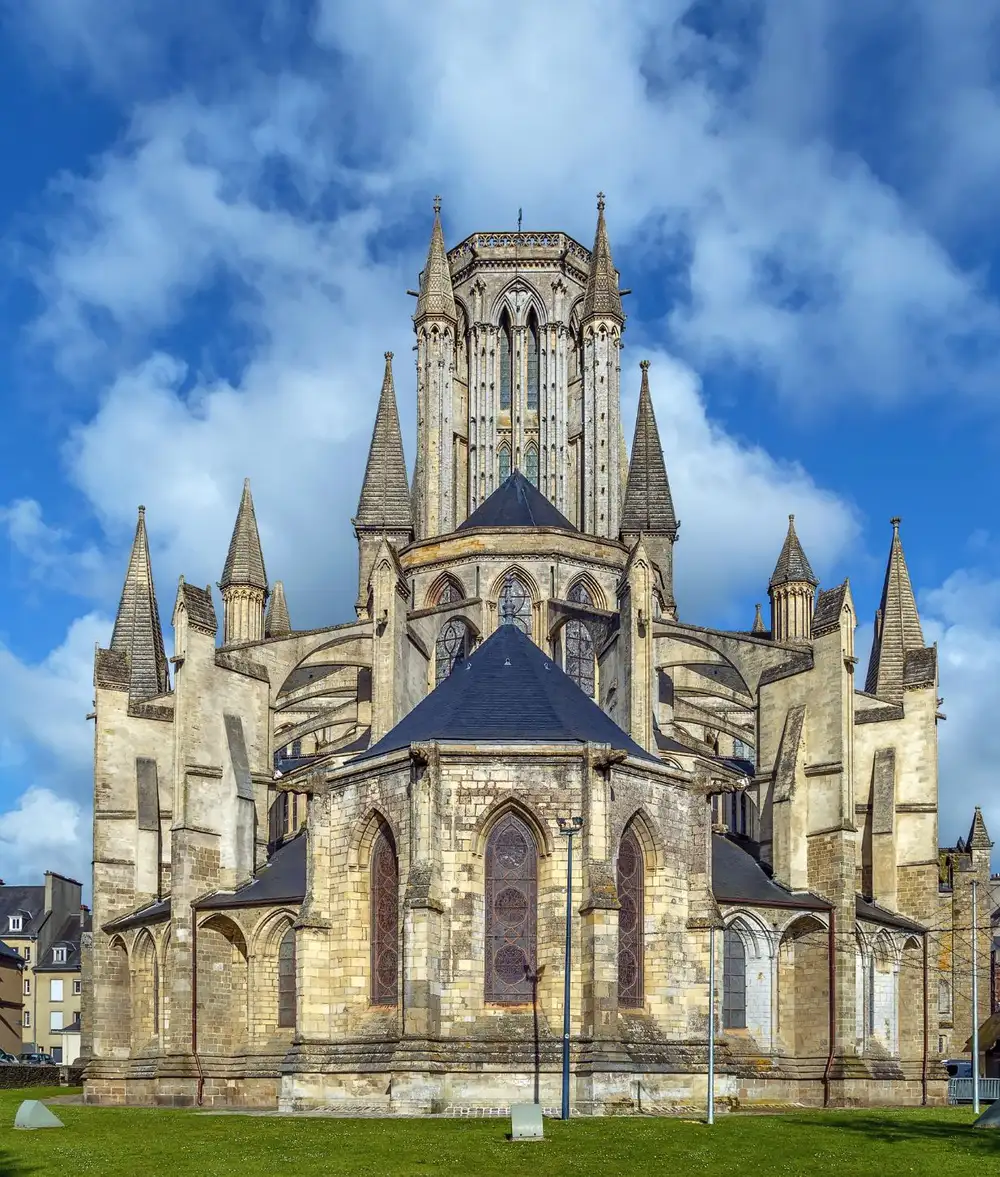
(286, 979)
(452, 646)
(511, 911)
(503, 455)
(579, 644)
(532, 342)
(531, 464)
(515, 604)
(734, 981)
(506, 346)
(384, 921)
(630, 919)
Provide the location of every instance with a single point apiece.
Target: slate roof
(507, 692)
(137, 636)
(8, 953)
(866, 910)
(27, 902)
(245, 560)
(68, 937)
(826, 614)
(897, 628)
(277, 622)
(649, 505)
(602, 296)
(517, 503)
(979, 838)
(282, 879)
(738, 877)
(199, 606)
(792, 564)
(437, 296)
(385, 493)
(152, 913)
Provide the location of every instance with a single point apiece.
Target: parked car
(958, 1068)
(38, 1060)
(7, 1060)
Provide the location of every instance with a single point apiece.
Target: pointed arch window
(504, 460)
(515, 604)
(449, 593)
(384, 921)
(580, 660)
(453, 645)
(630, 881)
(511, 911)
(531, 463)
(734, 981)
(532, 341)
(506, 344)
(286, 979)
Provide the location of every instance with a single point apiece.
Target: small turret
(602, 297)
(758, 620)
(244, 580)
(898, 633)
(277, 623)
(792, 590)
(138, 636)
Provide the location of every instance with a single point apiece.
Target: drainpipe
(194, 1007)
(927, 1033)
(832, 987)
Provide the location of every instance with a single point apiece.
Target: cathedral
(330, 865)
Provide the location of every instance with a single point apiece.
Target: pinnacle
(277, 623)
(979, 838)
(437, 296)
(758, 620)
(792, 566)
(897, 626)
(245, 561)
(649, 505)
(602, 297)
(385, 492)
(137, 634)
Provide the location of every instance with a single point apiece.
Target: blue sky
(210, 216)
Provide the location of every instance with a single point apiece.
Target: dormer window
(59, 955)
(16, 923)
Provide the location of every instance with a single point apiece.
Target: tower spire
(277, 623)
(437, 296)
(137, 635)
(897, 626)
(244, 580)
(602, 296)
(792, 589)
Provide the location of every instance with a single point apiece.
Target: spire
(245, 562)
(602, 297)
(137, 634)
(385, 493)
(758, 620)
(277, 623)
(792, 566)
(437, 297)
(978, 838)
(649, 506)
(897, 626)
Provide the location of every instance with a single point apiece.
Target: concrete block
(34, 1114)
(526, 1121)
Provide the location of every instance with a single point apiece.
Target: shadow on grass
(906, 1131)
(11, 1167)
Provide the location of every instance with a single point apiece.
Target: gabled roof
(865, 909)
(198, 605)
(829, 605)
(277, 622)
(517, 503)
(507, 692)
(27, 902)
(151, 913)
(137, 636)
(437, 295)
(897, 627)
(792, 564)
(245, 560)
(602, 296)
(385, 493)
(738, 877)
(282, 879)
(649, 505)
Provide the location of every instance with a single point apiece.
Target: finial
(600, 202)
(246, 483)
(437, 204)
(142, 511)
(895, 521)
(644, 365)
(388, 355)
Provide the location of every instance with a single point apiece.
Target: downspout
(194, 1008)
(927, 1032)
(832, 988)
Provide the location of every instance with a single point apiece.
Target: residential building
(59, 989)
(11, 1001)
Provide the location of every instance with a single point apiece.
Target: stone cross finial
(895, 521)
(437, 204)
(644, 364)
(600, 202)
(388, 355)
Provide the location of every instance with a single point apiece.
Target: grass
(124, 1142)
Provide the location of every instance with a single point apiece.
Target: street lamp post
(975, 1000)
(568, 826)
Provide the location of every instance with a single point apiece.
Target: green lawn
(118, 1142)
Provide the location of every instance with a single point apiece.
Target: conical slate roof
(385, 492)
(277, 623)
(649, 505)
(517, 503)
(245, 561)
(602, 297)
(507, 692)
(437, 296)
(897, 626)
(979, 838)
(137, 635)
(792, 564)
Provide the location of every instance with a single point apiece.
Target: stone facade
(767, 799)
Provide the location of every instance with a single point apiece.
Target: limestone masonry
(328, 871)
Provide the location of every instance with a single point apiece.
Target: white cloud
(44, 832)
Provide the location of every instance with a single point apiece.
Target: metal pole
(711, 1024)
(975, 1003)
(568, 826)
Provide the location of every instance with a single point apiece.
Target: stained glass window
(734, 981)
(511, 901)
(505, 343)
(532, 363)
(515, 604)
(630, 919)
(384, 920)
(286, 979)
(449, 593)
(453, 644)
(580, 661)
(504, 458)
(531, 464)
